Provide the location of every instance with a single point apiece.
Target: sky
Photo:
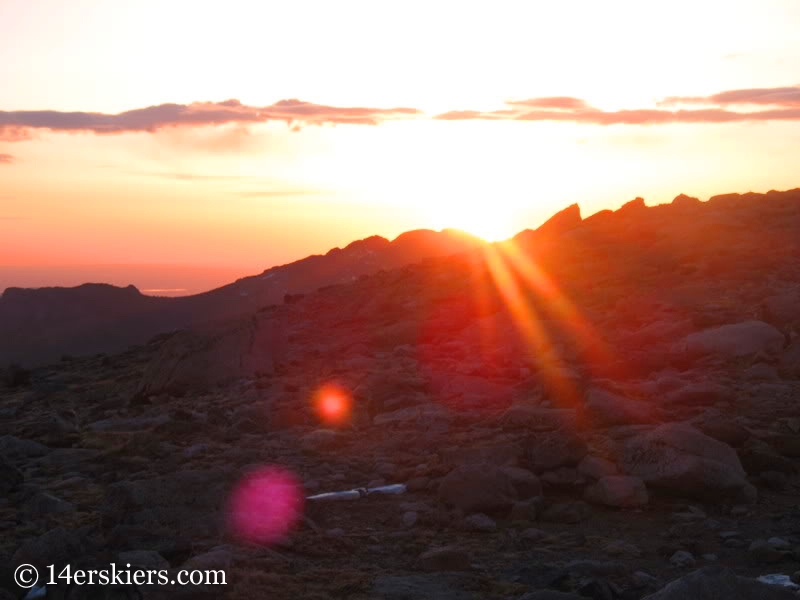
(179, 145)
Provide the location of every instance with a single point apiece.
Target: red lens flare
(265, 506)
(333, 404)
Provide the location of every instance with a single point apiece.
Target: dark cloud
(781, 96)
(6, 159)
(786, 103)
(17, 125)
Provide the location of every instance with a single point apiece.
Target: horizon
(233, 145)
(202, 278)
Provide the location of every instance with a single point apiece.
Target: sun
(488, 222)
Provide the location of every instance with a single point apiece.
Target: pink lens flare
(265, 506)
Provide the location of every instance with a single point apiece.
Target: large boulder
(618, 491)
(189, 503)
(562, 448)
(720, 583)
(479, 487)
(734, 340)
(678, 458)
(198, 360)
(606, 408)
(782, 308)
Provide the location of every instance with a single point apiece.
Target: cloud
(785, 103)
(17, 125)
(781, 96)
(565, 102)
(192, 176)
(6, 159)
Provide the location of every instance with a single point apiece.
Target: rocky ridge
(606, 409)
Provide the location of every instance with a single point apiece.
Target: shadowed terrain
(601, 408)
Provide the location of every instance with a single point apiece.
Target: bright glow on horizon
(247, 195)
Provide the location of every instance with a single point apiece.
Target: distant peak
(564, 220)
(635, 204)
(373, 242)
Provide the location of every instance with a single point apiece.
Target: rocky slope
(38, 326)
(606, 408)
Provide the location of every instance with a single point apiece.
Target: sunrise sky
(178, 145)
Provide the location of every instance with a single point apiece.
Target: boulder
(549, 451)
(735, 340)
(782, 309)
(14, 448)
(699, 393)
(619, 491)
(720, 583)
(478, 488)
(537, 418)
(11, 478)
(566, 512)
(446, 558)
(187, 502)
(525, 482)
(679, 458)
(57, 546)
(197, 360)
(608, 409)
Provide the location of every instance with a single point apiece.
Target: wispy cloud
(784, 105)
(193, 176)
(17, 125)
(278, 193)
(6, 159)
(781, 96)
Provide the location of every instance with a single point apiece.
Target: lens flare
(265, 506)
(333, 404)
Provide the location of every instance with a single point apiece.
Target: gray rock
(735, 340)
(552, 450)
(189, 503)
(478, 488)
(682, 559)
(142, 559)
(447, 558)
(11, 478)
(764, 552)
(619, 491)
(566, 512)
(410, 518)
(681, 459)
(719, 583)
(480, 522)
(595, 467)
(605, 408)
(57, 546)
(525, 482)
(46, 504)
(13, 447)
(320, 439)
(200, 359)
(442, 586)
(537, 418)
(216, 558)
(699, 393)
(762, 372)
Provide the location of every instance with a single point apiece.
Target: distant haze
(153, 280)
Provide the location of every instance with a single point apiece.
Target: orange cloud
(17, 125)
(6, 159)
(563, 108)
(781, 96)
